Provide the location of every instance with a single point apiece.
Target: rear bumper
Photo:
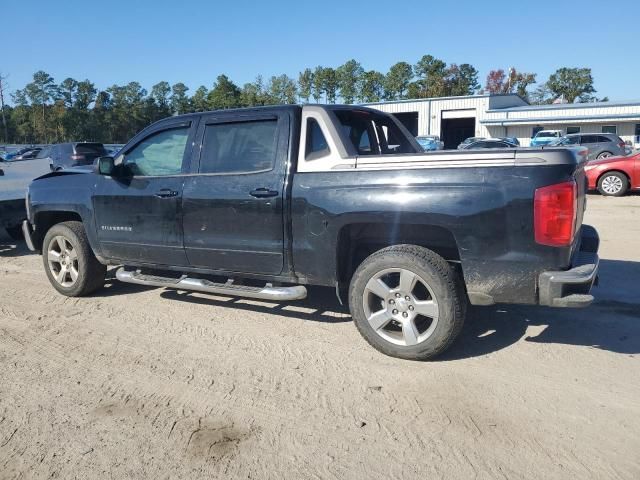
(571, 288)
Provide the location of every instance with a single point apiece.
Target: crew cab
(263, 202)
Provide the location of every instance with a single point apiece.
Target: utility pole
(4, 120)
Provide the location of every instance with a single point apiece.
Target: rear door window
(586, 139)
(240, 147)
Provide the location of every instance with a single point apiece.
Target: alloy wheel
(62, 259)
(400, 306)
(612, 184)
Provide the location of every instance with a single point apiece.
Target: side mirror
(104, 166)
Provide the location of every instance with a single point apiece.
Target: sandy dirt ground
(148, 383)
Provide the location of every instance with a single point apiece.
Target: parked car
(489, 143)
(406, 238)
(22, 154)
(469, 140)
(600, 145)
(430, 143)
(68, 155)
(15, 177)
(614, 176)
(512, 140)
(27, 155)
(545, 137)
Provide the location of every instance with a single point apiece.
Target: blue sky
(194, 41)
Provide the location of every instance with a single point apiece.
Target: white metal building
(456, 118)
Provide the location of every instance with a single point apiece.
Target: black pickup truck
(261, 202)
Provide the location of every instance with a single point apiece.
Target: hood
(67, 171)
(609, 160)
(543, 140)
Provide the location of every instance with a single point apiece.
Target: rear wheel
(71, 266)
(604, 155)
(407, 302)
(613, 184)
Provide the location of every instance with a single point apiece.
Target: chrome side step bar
(267, 292)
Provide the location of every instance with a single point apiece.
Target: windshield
(547, 134)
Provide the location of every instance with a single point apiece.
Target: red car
(614, 176)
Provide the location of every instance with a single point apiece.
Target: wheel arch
(44, 220)
(356, 241)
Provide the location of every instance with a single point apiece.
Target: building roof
(458, 97)
(568, 106)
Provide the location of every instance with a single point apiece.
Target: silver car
(600, 145)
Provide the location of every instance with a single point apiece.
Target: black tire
(90, 272)
(15, 232)
(443, 281)
(602, 155)
(613, 178)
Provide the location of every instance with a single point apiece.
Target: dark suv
(600, 145)
(67, 155)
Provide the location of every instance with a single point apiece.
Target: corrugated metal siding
(430, 112)
(430, 115)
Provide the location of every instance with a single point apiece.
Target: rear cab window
(373, 134)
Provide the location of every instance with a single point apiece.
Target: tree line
(48, 112)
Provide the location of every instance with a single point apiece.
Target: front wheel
(613, 184)
(407, 302)
(69, 262)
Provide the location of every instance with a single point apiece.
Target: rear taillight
(77, 157)
(622, 145)
(554, 214)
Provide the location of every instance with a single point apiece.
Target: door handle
(166, 193)
(263, 193)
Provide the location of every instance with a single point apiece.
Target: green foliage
(305, 84)
(225, 94)
(431, 81)
(199, 101)
(44, 111)
(572, 84)
(179, 101)
(461, 80)
(348, 77)
(397, 80)
(281, 90)
(371, 87)
(325, 82)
